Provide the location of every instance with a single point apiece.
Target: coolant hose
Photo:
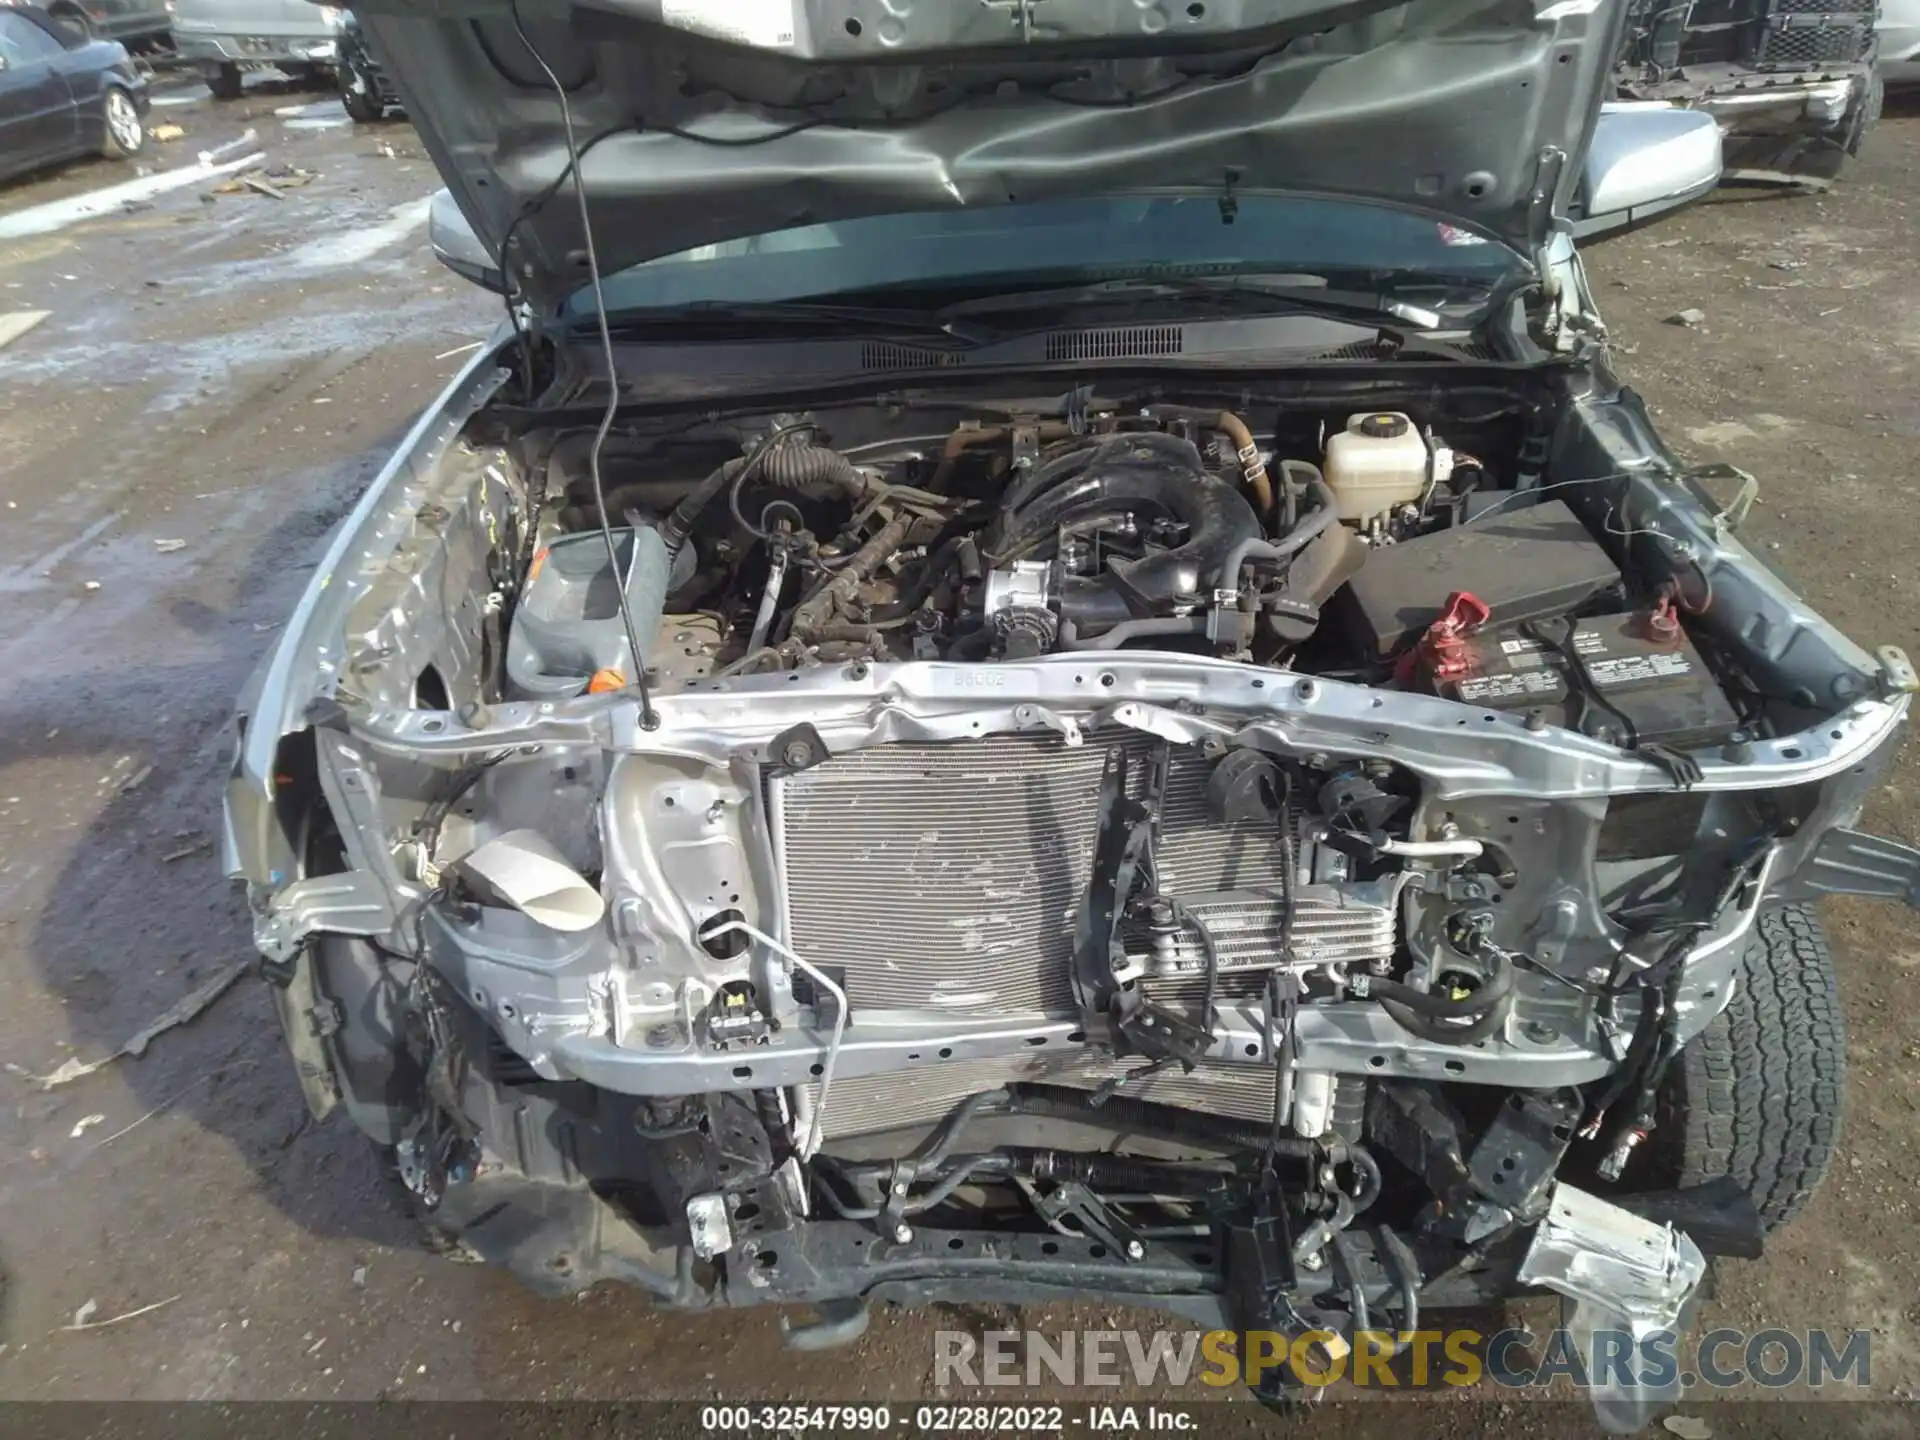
(1292, 543)
(1361, 1159)
(1315, 1237)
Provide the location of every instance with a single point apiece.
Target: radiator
(945, 878)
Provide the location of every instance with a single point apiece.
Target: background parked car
(1900, 42)
(225, 38)
(137, 24)
(1792, 82)
(63, 96)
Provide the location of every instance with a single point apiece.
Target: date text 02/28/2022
(941, 1419)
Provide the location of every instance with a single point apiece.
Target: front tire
(75, 20)
(1759, 1093)
(225, 81)
(122, 134)
(359, 97)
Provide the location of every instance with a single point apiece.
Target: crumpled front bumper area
(1783, 126)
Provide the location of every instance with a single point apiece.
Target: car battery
(1631, 679)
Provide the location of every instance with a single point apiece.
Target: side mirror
(458, 248)
(1645, 159)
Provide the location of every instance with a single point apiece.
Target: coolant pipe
(1430, 849)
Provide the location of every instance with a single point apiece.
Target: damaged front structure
(1182, 741)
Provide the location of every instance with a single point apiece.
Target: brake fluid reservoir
(1378, 462)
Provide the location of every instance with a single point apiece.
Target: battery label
(1628, 669)
(1540, 681)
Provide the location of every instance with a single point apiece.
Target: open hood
(709, 120)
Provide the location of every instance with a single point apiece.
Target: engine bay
(1376, 546)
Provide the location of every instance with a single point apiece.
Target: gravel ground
(227, 372)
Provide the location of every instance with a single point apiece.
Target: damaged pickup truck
(1048, 663)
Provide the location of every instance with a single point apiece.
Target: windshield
(1061, 241)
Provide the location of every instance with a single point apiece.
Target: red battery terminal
(1442, 653)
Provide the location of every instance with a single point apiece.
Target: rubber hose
(1407, 1272)
(790, 467)
(1349, 1262)
(1294, 541)
(1494, 989)
(1361, 1159)
(1428, 1028)
(1315, 1237)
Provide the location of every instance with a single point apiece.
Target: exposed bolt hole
(946, 1053)
(816, 1069)
(1077, 1037)
(1792, 752)
(746, 1210)
(1036, 1040)
(1252, 1049)
(743, 1072)
(956, 1243)
(1049, 1247)
(1107, 679)
(1376, 1062)
(853, 26)
(1098, 1252)
(669, 802)
(1454, 1067)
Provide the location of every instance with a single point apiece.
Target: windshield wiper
(1306, 293)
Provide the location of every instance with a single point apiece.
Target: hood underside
(708, 120)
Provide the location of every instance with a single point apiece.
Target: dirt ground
(228, 370)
